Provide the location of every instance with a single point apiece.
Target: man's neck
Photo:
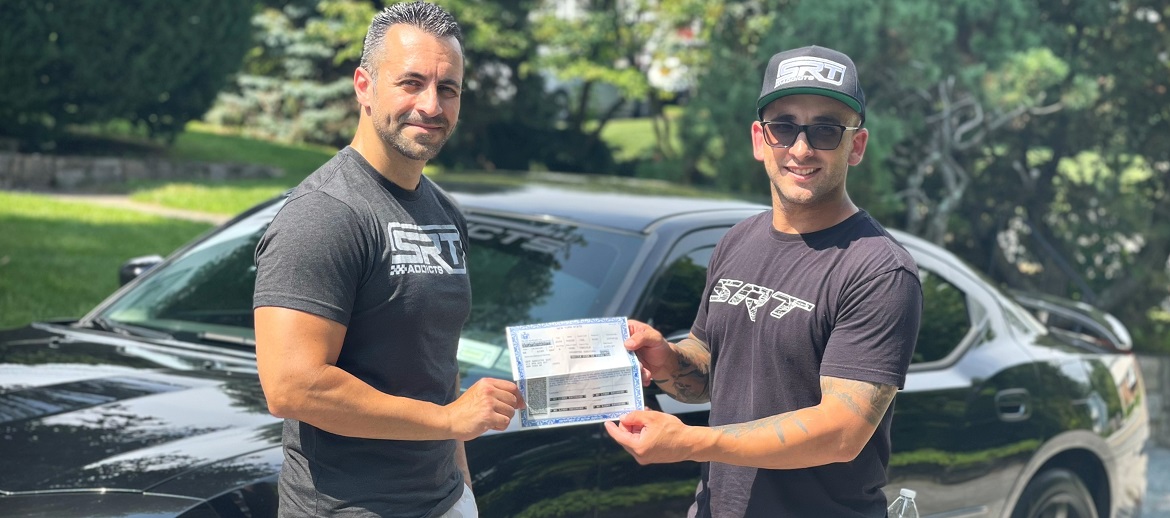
(401, 171)
(800, 219)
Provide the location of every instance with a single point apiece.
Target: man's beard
(412, 149)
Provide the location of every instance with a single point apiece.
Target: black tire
(1055, 493)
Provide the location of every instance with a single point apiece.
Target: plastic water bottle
(904, 506)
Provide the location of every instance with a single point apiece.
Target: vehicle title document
(575, 371)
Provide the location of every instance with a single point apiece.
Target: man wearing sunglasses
(806, 328)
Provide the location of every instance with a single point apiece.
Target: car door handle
(1014, 404)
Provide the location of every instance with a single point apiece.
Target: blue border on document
(526, 421)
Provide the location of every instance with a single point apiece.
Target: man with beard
(806, 327)
(361, 292)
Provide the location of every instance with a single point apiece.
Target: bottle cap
(908, 493)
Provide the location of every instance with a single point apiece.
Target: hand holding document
(575, 371)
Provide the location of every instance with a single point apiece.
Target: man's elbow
(278, 406)
(850, 445)
(282, 399)
(848, 453)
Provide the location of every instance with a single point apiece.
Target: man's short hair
(428, 17)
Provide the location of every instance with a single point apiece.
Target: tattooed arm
(835, 430)
(681, 369)
(688, 378)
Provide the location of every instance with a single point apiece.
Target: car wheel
(1055, 493)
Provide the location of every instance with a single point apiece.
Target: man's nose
(801, 147)
(427, 102)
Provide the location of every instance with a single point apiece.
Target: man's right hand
(488, 405)
(652, 349)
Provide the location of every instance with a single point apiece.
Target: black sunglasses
(825, 137)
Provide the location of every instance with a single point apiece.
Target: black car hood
(85, 410)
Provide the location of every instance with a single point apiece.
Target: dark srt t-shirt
(782, 310)
(390, 264)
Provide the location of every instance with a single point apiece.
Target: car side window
(946, 318)
(674, 299)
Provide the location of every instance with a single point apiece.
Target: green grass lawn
(60, 259)
(206, 143)
(630, 138)
(634, 138)
(201, 142)
(227, 198)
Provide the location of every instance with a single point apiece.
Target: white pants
(465, 507)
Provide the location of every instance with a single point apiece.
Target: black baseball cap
(812, 70)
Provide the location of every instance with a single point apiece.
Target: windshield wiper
(226, 339)
(105, 324)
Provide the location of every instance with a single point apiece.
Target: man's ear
(363, 87)
(760, 149)
(860, 140)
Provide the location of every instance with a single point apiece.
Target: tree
(1082, 189)
(1036, 150)
(154, 64)
(296, 84)
(509, 119)
(641, 50)
(714, 129)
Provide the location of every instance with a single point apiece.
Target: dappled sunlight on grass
(210, 144)
(218, 198)
(60, 259)
(633, 138)
(202, 142)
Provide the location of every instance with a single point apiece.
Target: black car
(1077, 320)
(150, 404)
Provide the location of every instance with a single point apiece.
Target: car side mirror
(131, 269)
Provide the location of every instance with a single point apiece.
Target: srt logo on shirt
(754, 297)
(425, 249)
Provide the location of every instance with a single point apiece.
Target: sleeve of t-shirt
(311, 258)
(874, 336)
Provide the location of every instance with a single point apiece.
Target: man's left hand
(655, 437)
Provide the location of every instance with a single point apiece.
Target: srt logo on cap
(819, 69)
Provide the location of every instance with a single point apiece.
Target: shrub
(156, 64)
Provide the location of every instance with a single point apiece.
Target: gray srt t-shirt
(390, 265)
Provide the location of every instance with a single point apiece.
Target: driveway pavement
(1157, 503)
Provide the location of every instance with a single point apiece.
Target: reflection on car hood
(76, 414)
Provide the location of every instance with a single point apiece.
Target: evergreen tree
(154, 63)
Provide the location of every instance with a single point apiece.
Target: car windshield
(522, 271)
(204, 293)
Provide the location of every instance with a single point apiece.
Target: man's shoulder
(330, 176)
(879, 247)
(338, 185)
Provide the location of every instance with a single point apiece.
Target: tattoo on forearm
(775, 424)
(868, 400)
(690, 380)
